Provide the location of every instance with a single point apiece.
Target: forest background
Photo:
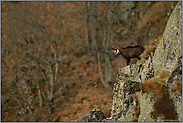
(56, 60)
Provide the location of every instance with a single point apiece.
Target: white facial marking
(116, 51)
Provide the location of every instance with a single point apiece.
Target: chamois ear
(113, 48)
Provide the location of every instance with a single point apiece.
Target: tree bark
(88, 21)
(101, 73)
(93, 26)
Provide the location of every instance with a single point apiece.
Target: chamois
(129, 52)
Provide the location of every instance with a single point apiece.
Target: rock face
(143, 92)
(169, 50)
(96, 115)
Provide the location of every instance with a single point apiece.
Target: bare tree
(88, 21)
(100, 21)
(107, 28)
(32, 51)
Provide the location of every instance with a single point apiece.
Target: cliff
(151, 90)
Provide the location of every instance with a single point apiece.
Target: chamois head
(115, 50)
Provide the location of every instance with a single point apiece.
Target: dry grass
(163, 103)
(150, 48)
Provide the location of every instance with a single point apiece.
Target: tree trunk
(88, 21)
(108, 68)
(100, 71)
(93, 26)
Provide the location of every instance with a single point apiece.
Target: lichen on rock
(169, 49)
(96, 115)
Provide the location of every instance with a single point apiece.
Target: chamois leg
(127, 61)
(138, 57)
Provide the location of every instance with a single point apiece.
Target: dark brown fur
(129, 52)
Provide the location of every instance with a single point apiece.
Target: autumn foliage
(56, 59)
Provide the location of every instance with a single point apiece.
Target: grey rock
(96, 115)
(169, 50)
